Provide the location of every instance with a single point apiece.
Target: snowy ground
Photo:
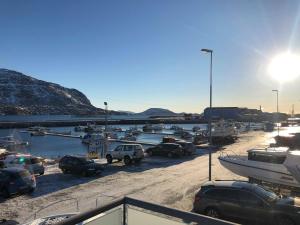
(170, 182)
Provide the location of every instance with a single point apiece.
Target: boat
(277, 166)
(38, 133)
(91, 138)
(268, 127)
(223, 132)
(111, 135)
(186, 135)
(10, 142)
(175, 127)
(291, 141)
(147, 128)
(158, 127)
(133, 130)
(128, 137)
(196, 129)
(37, 128)
(178, 131)
(117, 129)
(92, 128)
(80, 128)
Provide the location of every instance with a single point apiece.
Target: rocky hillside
(22, 94)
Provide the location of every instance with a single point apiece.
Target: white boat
(277, 166)
(223, 129)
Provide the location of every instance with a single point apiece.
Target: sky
(137, 54)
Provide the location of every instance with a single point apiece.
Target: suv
(33, 164)
(126, 152)
(16, 181)
(166, 149)
(79, 165)
(242, 200)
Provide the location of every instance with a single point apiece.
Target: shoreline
(67, 123)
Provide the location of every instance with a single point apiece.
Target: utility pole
(210, 111)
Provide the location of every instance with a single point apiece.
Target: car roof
(169, 144)
(229, 184)
(130, 144)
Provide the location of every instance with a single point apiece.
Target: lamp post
(276, 90)
(105, 103)
(210, 109)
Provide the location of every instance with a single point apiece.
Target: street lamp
(276, 90)
(210, 109)
(105, 103)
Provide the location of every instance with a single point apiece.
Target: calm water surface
(53, 146)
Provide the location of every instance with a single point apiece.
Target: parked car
(242, 200)
(126, 152)
(166, 149)
(16, 181)
(79, 165)
(188, 147)
(33, 164)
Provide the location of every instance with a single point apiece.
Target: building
(234, 113)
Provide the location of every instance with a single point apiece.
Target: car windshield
(265, 194)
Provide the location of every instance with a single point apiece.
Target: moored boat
(272, 165)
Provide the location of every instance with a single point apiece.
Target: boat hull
(268, 172)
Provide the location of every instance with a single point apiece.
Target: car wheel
(212, 212)
(150, 153)
(109, 159)
(5, 193)
(31, 190)
(127, 160)
(42, 173)
(64, 171)
(284, 220)
(137, 160)
(170, 155)
(84, 173)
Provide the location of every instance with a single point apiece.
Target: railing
(149, 208)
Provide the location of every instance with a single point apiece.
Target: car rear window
(222, 193)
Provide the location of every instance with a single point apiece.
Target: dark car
(166, 149)
(16, 181)
(79, 165)
(242, 200)
(188, 147)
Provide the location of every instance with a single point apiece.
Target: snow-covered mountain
(22, 94)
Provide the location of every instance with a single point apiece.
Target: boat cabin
(274, 155)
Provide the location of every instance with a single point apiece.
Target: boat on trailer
(277, 166)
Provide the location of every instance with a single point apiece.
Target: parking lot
(170, 182)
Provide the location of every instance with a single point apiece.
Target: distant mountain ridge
(25, 95)
(157, 112)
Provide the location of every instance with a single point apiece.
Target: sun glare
(285, 67)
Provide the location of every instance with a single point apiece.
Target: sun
(285, 67)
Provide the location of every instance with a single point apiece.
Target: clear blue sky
(140, 54)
